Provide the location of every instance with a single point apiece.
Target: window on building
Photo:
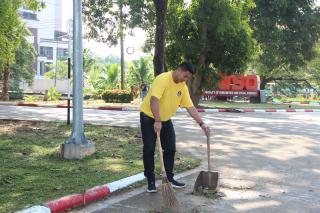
(29, 15)
(46, 52)
(44, 67)
(58, 35)
(41, 68)
(62, 53)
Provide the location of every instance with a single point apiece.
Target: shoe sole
(177, 187)
(151, 191)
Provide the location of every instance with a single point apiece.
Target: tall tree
(23, 68)
(293, 81)
(286, 31)
(159, 53)
(107, 22)
(12, 30)
(313, 70)
(213, 35)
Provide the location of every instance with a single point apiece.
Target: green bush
(117, 96)
(53, 94)
(15, 95)
(30, 98)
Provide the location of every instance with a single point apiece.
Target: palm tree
(95, 80)
(141, 70)
(112, 75)
(102, 77)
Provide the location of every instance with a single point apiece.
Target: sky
(103, 50)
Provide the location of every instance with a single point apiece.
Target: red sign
(243, 85)
(231, 93)
(240, 83)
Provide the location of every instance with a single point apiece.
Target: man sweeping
(168, 92)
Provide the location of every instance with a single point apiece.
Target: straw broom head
(168, 196)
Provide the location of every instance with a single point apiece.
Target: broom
(168, 195)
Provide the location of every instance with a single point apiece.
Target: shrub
(30, 98)
(117, 96)
(53, 94)
(15, 95)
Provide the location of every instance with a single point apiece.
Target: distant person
(134, 91)
(143, 90)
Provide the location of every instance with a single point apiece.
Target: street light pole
(69, 30)
(77, 146)
(56, 65)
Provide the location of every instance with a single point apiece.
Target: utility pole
(56, 65)
(77, 147)
(69, 30)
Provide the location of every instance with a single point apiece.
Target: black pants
(168, 143)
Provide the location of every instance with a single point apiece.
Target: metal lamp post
(69, 30)
(77, 146)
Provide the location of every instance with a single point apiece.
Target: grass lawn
(236, 105)
(32, 172)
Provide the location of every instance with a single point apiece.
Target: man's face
(184, 75)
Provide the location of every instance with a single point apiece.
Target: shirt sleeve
(186, 101)
(158, 86)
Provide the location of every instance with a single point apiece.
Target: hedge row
(117, 96)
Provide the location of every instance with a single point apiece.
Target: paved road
(269, 162)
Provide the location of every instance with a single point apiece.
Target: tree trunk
(161, 13)
(195, 89)
(263, 82)
(122, 48)
(5, 88)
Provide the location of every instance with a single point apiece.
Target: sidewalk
(138, 201)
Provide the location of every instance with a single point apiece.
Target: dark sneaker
(176, 184)
(151, 187)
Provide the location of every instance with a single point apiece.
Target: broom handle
(208, 150)
(160, 154)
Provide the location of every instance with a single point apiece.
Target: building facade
(50, 39)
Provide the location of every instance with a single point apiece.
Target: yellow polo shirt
(171, 95)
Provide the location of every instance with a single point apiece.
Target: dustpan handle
(160, 154)
(208, 150)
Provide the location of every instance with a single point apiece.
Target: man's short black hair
(186, 65)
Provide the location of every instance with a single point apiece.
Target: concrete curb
(253, 110)
(76, 200)
(116, 108)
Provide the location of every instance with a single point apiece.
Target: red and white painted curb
(253, 110)
(76, 200)
(183, 110)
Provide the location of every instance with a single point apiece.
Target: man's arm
(193, 112)
(154, 103)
